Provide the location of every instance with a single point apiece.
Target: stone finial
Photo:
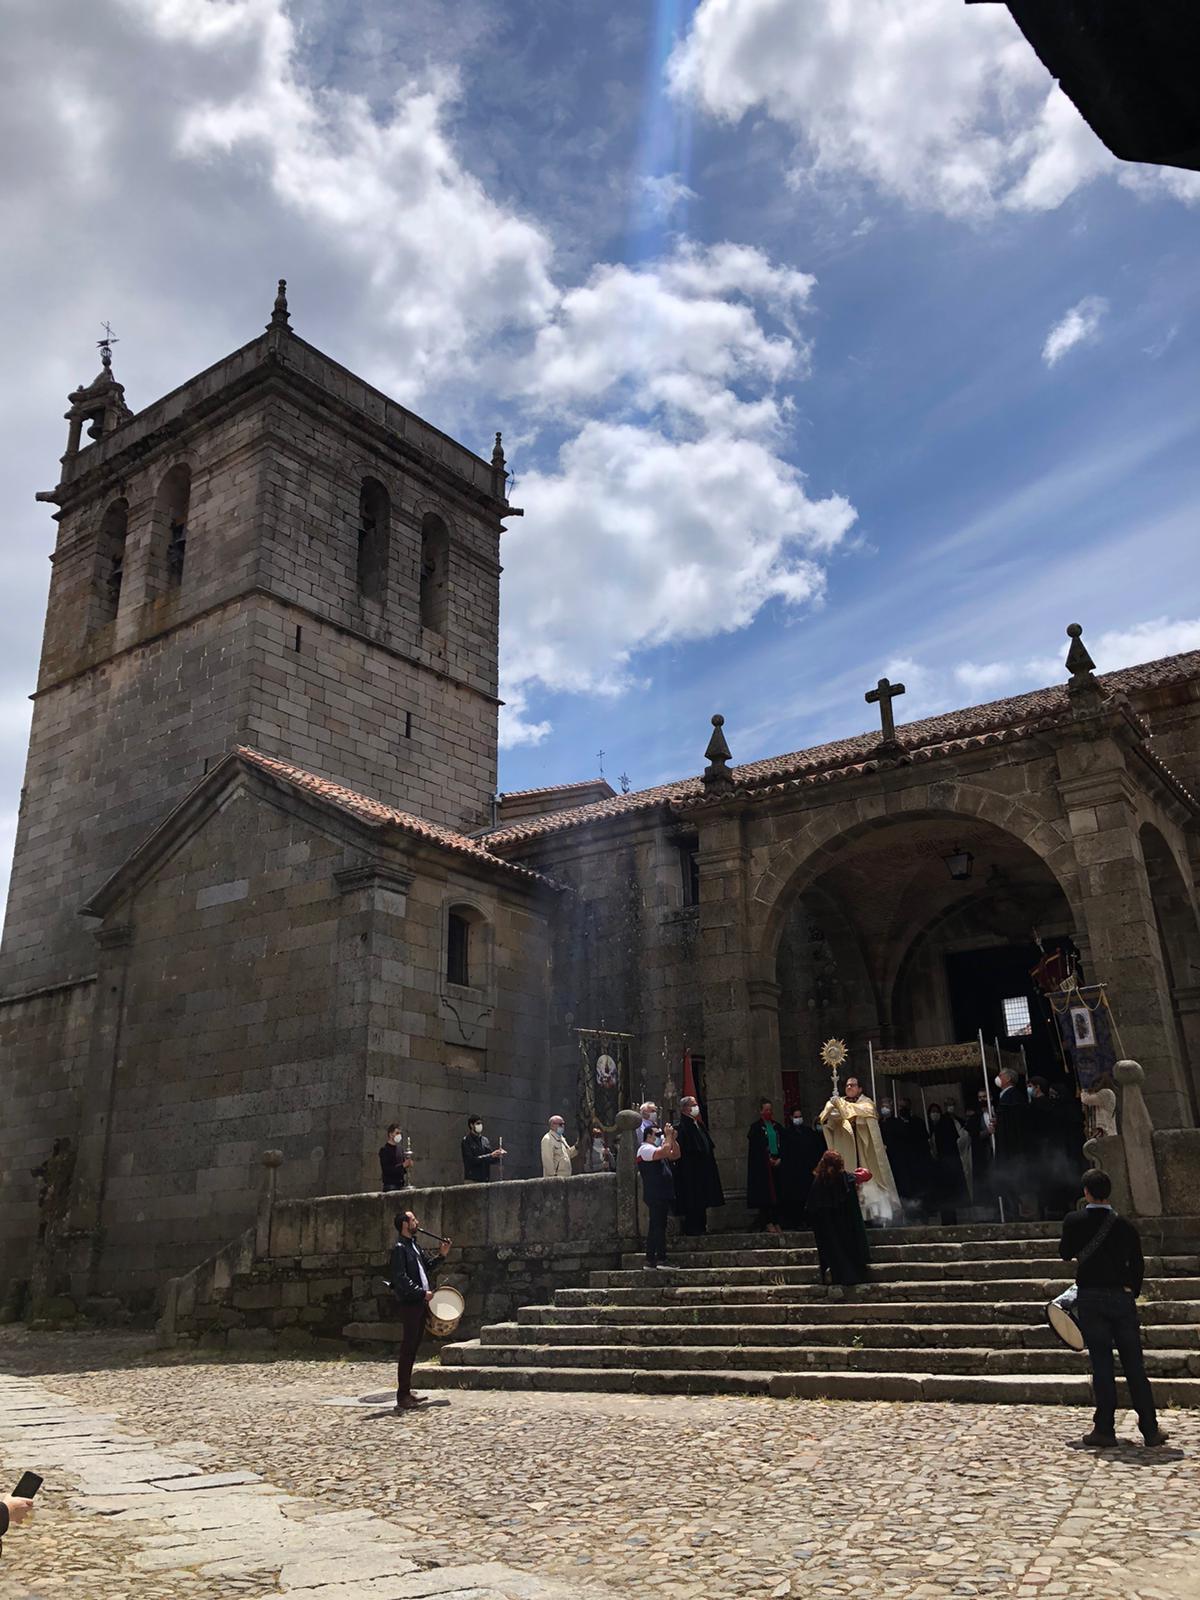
(499, 470)
(716, 773)
(272, 1158)
(279, 312)
(1079, 664)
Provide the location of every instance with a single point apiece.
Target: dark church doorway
(992, 989)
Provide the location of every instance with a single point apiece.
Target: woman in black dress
(836, 1219)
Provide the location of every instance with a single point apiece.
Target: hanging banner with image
(603, 1078)
(1087, 1033)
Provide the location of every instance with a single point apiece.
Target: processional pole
(987, 1089)
(871, 1055)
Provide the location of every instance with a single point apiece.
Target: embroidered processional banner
(1087, 1033)
(603, 1078)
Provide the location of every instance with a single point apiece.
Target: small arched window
(171, 508)
(435, 574)
(374, 516)
(110, 562)
(458, 949)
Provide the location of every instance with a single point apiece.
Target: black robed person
(764, 1162)
(836, 1219)
(697, 1178)
(803, 1147)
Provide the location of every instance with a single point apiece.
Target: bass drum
(1060, 1314)
(444, 1312)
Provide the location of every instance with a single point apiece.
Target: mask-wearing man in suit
(410, 1273)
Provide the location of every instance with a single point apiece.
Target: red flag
(689, 1080)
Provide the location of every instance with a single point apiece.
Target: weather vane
(106, 344)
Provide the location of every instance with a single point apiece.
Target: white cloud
(676, 515)
(515, 728)
(639, 539)
(665, 195)
(669, 336)
(943, 105)
(1079, 325)
(447, 267)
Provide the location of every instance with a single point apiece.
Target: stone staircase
(949, 1314)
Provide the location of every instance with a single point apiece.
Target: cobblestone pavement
(678, 1497)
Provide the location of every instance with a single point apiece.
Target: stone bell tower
(276, 555)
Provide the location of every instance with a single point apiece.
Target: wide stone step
(798, 1286)
(1181, 1340)
(1039, 1269)
(916, 1261)
(968, 1233)
(788, 1305)
(977, 1388)
(800, 1358)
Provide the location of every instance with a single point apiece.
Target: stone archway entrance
(1179, 936)
(920, 930)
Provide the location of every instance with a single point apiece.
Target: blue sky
(827, 341)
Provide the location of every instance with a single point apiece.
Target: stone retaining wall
(309, 1276)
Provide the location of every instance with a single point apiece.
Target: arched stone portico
(1054, 854)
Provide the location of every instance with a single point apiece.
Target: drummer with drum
(411, 1271)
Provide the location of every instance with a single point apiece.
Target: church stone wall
(231, 1037)
(625, 951)
(44, 1047)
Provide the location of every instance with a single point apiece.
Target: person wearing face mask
(557, 1154)
(980, 1124)
(950, 1183)
(394, 1165)
(764, 1168)
(802, 1147)
(656, 1152)
(1012, 1142)
(477, 1153)
(696, 1176)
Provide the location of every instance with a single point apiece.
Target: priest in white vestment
(851, 1126)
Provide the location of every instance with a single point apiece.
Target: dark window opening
(408, 724)
(435, 571)
(172, 505)
(176, 550)
(458, 950)
(110, 562)
(689, 868)
(297, 645)
(374, 515)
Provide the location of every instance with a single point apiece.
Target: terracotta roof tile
(968, 728)
(375, 813)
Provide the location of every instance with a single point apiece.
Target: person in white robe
(851, 1126)
(557, 1154)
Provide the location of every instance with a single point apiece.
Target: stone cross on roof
(884, 693)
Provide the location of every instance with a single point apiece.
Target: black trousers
(412, 1325)
(1108, 1318)
(656, 1229)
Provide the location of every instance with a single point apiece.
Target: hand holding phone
(29, 1485)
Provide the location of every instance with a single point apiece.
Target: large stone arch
(1178, 925)
(799, 859)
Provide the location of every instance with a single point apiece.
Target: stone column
(370, 996)
(733, 1035)
(272, 1161)
(1121, 929)
(1137, 1136)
